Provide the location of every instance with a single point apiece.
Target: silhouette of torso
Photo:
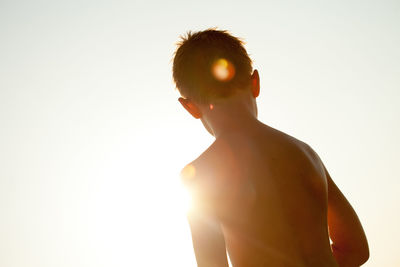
(268, 190)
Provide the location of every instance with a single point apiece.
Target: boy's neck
(224, 120)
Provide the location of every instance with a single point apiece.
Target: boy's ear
(255, 84)
(190, 107)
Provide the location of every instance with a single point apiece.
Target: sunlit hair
(210, 65)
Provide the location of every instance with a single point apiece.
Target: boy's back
(268, 192)
(263, 195)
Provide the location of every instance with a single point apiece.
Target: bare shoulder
(314, 158)
(213, 154)
(202, 177)
(303, 146)
(204, 167)
(299, 149)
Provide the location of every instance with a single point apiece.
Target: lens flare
(223, 70)
(187, 175)
(188, 172)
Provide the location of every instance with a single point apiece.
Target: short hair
(195, 57)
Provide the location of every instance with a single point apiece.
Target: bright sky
(92, 139)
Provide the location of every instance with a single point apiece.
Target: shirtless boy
(259, 194)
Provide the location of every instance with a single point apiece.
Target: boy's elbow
(364, 255)
(363, 251)
(359, 258)
(351, 257)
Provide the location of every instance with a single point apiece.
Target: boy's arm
(350, 246)
(208, 240)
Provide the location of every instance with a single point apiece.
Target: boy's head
(211, 65)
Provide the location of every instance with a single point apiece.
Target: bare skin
(265, 197)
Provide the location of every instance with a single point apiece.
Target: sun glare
(187, 174)
(223, 70)
(185, 199)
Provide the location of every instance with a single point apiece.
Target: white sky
(92, 138)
